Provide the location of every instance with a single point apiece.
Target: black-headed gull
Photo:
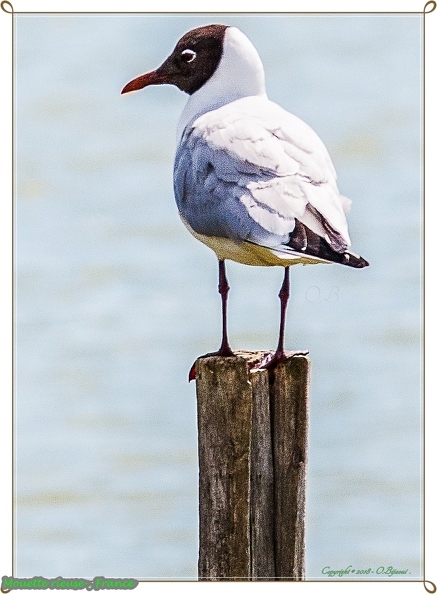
(252, 181)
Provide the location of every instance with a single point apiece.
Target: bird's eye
(188, 56)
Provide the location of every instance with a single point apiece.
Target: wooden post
(253, 441)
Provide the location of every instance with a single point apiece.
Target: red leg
(270, 361)
(284, 295)
(224, 350)
(223, 289)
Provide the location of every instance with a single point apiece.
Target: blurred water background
(115, 300)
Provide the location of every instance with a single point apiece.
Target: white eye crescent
(188, 55)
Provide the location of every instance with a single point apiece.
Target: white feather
(238, 150)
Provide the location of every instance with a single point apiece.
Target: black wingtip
(305, 241)
(350, 259)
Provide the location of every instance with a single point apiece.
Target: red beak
(151, 78)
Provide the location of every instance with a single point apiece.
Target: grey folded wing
(245, 179)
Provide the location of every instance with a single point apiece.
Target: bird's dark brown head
(193, 61)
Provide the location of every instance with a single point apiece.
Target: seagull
(252, 181)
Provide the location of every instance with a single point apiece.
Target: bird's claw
(270, 361)
(222, 352)
(192, 373)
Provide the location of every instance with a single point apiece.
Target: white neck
(240, 73)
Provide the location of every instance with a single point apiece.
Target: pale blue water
(115, 300)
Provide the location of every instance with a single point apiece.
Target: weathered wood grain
(262, 562)
(224, 397)
(253, 428)
(289, 403)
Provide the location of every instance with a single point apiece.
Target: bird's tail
(306, 242)
(350, 259)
